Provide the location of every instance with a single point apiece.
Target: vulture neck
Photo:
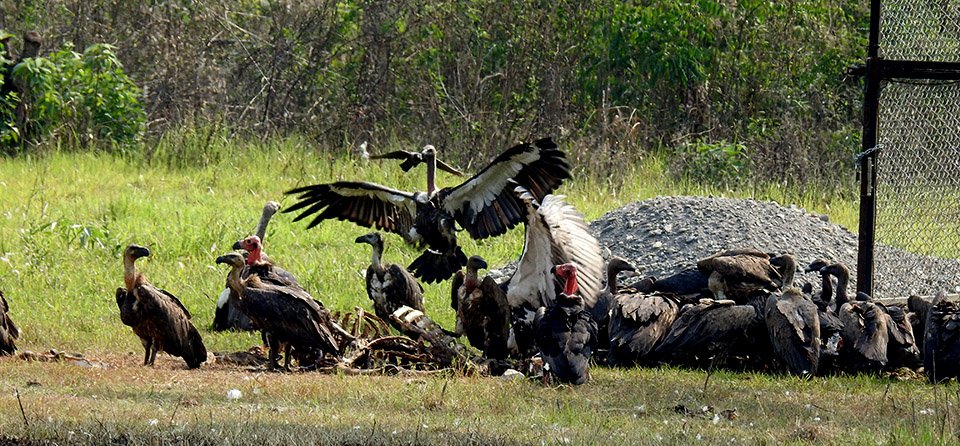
(375, 260)
(234, 281)
(255, 257)
(431, 175)
(261, 229)
(130, 276)
(470, 280)
(570, 287)
(843, 279)
(789, 272)
(826, 287)
(612, 280)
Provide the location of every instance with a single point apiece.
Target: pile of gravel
(665, 234)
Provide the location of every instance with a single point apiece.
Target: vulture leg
(286, 357)
(147, 348)
(274, 346)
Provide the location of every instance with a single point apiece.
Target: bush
(720, 163)
(80, 98)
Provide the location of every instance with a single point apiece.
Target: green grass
(67, 217)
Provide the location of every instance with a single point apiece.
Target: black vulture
(483, 313)
(565, 332)
(227, 316)
(389, 286)
(157, 317)
(9, 332)
(739, 274)
(287, 314)
(485, 205)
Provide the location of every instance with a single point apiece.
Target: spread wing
(366, 204)
(485, 205)
(410, 159)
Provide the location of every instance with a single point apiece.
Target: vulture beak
(553, 269)
(366, 238)
(232, 259)
(237, 245)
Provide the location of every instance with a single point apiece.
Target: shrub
(715, 163)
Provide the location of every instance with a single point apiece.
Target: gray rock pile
(665, 234)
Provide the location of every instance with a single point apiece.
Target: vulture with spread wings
(484, 205)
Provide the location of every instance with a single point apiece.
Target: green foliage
(86, 98)
(721, 163)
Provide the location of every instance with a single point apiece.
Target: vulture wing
(485, 205)
(410, 159)
(556, 233)
(174, 300)
(405, 288)
(497, 312)
(366, 204)
(457, 282)
(637, 324)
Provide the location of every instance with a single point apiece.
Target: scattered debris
(53, 355)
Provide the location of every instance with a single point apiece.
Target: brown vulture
(156, 316)
(9, 332)
(941, 344)
(866, 326)
(485, 205)
(638, 322)
(227, 316)
(287, 314)
(565, 332)
(739, 274)
(555, 233)
(715, 333)
(605, 299)
(793, 324)
(389, 286)
(483, 313)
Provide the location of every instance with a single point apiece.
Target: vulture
(941, 343)
(902, 349)
(831, 328)
(565, 332)
(555, 233)
(919, 310)
(739, 274)
(482, 310)
(259, 265)
(601, 310)
(711, 331)
(866, 330)
(414, 159)
(484, 205)
(157, 317)
(638, 322)
(227, 316)
(9, 332)
(793, 324)
(686, 282)
(389, 286)
(286, 314)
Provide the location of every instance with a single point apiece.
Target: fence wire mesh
(924, 30)
(918, 186)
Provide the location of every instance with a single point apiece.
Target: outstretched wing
(485, 205)
(410, 159)
(366, 204)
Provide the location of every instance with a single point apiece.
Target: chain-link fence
(914, 54)
(918, 185)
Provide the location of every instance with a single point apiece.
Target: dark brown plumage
(606, 297)
(483, 313)
(157, 317)
(565, 332)
(941, 344)
(793, 325)
(484, 205)
(713, 332)
(227, 315)
(740, 274)
(389, 286)
(9, 332)
(638, 322)
(287, 314)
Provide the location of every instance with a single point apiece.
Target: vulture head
(374, 239)
(567, 272)
(618, 264)
(234, 259)
(253, 246)
(476, 263)
(787, 265)
(134, 252)
(817, 265)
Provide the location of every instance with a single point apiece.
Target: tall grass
(67, 217)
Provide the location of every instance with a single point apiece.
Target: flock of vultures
(561, 311)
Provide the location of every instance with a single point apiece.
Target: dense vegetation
(724, 89)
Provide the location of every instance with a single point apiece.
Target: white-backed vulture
(389, 286)
(484, 205)
(739, 274)
(638, 322)
(157, 317)
(941, 344)
(793, 324)
(227, 316)
(287, 314)
(715, 333)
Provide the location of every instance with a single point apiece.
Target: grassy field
(67, 217)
